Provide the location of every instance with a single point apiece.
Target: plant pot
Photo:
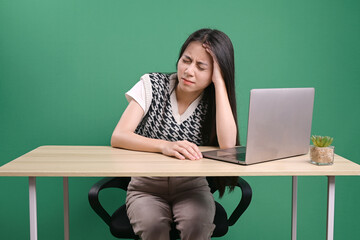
(322, 155)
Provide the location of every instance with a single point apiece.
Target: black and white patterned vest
(159, 122)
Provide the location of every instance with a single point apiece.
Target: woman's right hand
(124, 136)
(182, 150)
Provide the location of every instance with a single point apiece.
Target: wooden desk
(97, 161)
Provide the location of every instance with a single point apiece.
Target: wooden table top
(102, 161)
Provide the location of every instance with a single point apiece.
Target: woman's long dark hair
(221, 46)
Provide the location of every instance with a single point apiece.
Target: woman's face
(194, 68)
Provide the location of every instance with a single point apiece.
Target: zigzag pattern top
(159, 122)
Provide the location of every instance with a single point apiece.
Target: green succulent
(321, 141)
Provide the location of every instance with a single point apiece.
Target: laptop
(279, 126)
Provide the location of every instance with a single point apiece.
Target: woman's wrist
(219, 83)
(161, 145)
(220, 86)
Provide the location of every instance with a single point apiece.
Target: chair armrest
(244, 202)
(103, 184)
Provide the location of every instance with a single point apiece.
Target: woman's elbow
(119, 139)
(114, 141)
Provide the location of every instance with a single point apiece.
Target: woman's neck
(184, 99)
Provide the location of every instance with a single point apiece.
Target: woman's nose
(190, 70)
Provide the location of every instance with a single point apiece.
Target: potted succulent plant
(321, 153)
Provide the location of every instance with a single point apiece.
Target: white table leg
(330, 208)
(33, 210)
(66, 208)
(294, 207)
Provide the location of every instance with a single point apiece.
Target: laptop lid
(279, 126)
(279, 123)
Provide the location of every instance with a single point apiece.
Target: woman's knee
(153, 229)
(196, 224)
(156, 224)
(198, 229)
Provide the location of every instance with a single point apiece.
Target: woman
(174, 114)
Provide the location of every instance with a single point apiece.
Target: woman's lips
(187, 82)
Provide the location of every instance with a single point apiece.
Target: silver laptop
(279, 126)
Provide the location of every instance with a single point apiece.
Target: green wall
(65, 66)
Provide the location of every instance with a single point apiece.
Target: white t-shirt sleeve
(141, 92)
(137, 93)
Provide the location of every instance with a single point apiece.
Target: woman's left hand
(226, 128)
(216, 75)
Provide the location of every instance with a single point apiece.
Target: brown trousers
(153, 203)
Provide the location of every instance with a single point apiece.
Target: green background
(65, 66)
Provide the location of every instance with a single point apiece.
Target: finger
(192, 149)
(186, 152)
(206, 45)
(208, 49)
(178, 155)
(197, 151)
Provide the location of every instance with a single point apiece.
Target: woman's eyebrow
(198, 62)
(186, 56)
(202, 63)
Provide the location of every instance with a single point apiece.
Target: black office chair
(119, 223)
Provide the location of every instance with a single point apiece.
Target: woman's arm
(226, 129)
(225, 123)
(124, 137)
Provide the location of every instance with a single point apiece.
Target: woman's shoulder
(159, 80)
(157, 76)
